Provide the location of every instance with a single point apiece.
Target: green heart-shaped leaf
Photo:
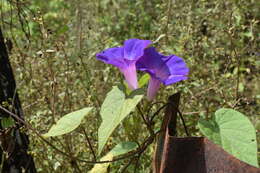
(234, 132)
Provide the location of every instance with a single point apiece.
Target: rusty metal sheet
(200, 155)
(191, 154)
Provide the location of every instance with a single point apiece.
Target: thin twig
(141, 149)
(158, 111)
(137, 161)
(89, 144)
(151, 106)
(190, 113)
(183, 122)
(33, 129)
(142, 115)
(169, 4)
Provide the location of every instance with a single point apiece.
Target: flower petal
(114, 56)
(134, 48)
(177, 65)
(173, 79)
(151, 61)
(163, 69)
(173, 70)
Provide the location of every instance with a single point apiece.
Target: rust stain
(191, 154)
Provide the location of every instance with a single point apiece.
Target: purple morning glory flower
(162, 69)
(125, 58)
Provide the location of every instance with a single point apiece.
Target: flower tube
(125, 58)
(162, 69)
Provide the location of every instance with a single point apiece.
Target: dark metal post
(14, 143)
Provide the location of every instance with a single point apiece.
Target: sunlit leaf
(102, 168)
(68, 123)
(234, 132)
(119, 149)
(114, 109)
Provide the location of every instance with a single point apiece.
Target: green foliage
(123, 148)
(7, 122)
(143, 80)
(119, 149)
(68, 123)
(234, 132)
(114, 109)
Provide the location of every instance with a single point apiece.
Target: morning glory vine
(140, 55)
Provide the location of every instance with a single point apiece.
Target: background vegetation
(53, 58)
